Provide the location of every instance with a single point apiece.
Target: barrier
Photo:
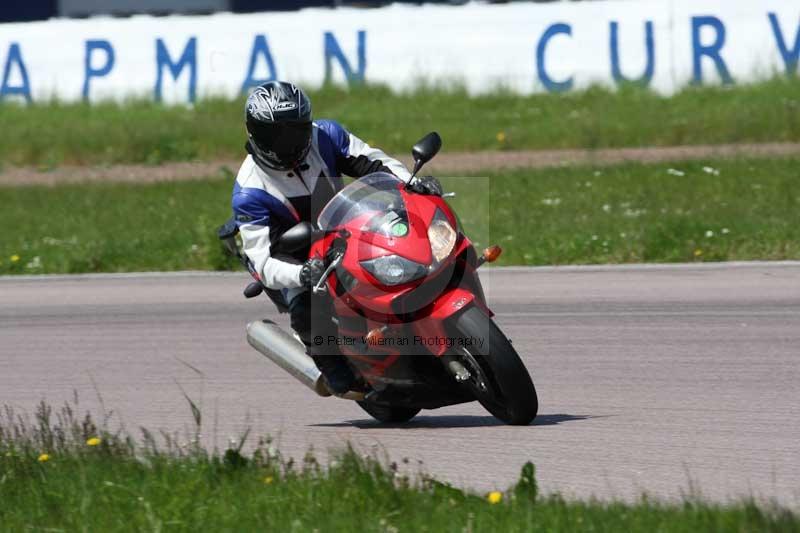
(664, 44)
(84, 8)
(27, 10)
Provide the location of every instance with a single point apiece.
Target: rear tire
(389, 414)
(500, 381)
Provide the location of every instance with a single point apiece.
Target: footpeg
(459, 372)
(352, 395)
(454, 366)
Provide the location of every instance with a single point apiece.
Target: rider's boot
(336, 371)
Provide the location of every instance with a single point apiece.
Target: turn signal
(375, 336)
(491, 253)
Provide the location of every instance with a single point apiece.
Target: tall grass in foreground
(140, 131)
(700, 211)
(60, 471)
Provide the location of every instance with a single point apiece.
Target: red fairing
(361, 298)
(432, 326)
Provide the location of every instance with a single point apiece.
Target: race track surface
(659, 379)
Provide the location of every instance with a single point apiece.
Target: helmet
(278, 121)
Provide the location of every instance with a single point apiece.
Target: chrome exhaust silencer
(286, 351)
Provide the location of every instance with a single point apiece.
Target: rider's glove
(311, 272)
(426, 185)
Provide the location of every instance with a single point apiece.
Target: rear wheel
(389, 413)
(498, 378)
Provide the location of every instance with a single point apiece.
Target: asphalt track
(665, 380)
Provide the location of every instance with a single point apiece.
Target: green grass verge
(700, 211)
(50, 134)
(69, 475)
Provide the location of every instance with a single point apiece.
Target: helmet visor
(283, 145)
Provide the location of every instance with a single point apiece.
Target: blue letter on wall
(260, 46)
(334, 51)
(790, 57)
(547, 81)
(616, 71)
(91, 72)
(711, 50)
(15, 57)
(189, 57)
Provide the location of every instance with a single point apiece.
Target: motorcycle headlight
(442, 237)
(393, 269)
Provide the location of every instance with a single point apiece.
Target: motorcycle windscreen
(377, 193)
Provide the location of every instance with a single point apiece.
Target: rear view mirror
(425, 149)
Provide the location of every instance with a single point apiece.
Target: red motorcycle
(410, 311)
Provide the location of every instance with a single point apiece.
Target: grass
(61, 472)
(51, 134)
(699, 211)
(113, 228)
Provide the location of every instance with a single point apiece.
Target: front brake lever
(320, 286)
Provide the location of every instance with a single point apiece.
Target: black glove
(311, 272)
(427, 185)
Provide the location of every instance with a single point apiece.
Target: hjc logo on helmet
(284, 106)
(262, 103)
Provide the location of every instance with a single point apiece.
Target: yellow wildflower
(268, 480)
(14, 258)
(94, 441)
(494, 497)
(698, 252)
(44, 458)
(501, 136)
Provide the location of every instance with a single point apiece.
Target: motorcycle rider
(293, 168)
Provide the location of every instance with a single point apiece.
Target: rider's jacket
(267, 202)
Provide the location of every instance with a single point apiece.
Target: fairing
(365, 212)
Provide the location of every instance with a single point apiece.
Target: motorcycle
(409, 308)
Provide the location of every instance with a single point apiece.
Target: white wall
(482, 46)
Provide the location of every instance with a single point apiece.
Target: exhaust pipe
(287, 352)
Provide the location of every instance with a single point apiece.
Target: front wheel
(389, 414)
(498, 378)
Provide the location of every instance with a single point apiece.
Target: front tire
(389, 414)
(499, 379)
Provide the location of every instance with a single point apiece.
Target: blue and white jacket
(267, 202)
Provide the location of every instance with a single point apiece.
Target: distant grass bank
(51, 134)
(60, 472)
(700, 211)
